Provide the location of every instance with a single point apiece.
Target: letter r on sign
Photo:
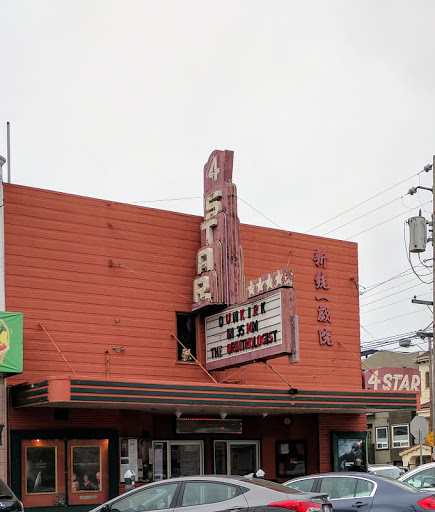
(201, 288)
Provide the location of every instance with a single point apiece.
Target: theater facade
(170, 344)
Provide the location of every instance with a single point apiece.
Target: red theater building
(172, 344)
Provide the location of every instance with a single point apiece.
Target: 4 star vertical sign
(257, 321)
(219, 280)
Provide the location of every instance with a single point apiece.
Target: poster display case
(349, 451)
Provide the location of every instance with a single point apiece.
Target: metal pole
(8, 155)
(3, 390)
(429, 348)
(420, 438)
(431, 340)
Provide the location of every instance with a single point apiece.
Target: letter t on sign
(208, 226)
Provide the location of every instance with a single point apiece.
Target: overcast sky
(326, 104)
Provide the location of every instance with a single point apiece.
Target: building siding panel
(57, 263)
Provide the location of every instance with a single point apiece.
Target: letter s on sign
(213, 205)
(387, 381)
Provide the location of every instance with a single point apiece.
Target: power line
(391, 304)
(270, 220)
(165, 200)
(369, 296)
(376, 285)
(396, 317)
(361, 216)
(377, 225)
(363, 202)
(367, 345)
(395, 337)
(391, 295)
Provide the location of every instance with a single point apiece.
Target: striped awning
(163, 397)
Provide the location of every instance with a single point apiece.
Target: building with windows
(423, 362)
(388, 432)
(170, 344)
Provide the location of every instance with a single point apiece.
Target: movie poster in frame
(86, 468)
(349, 451)
(41, 469)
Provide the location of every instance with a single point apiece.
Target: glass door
(185, 459)
(177, 458)
(236, 457)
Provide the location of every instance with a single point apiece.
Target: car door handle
(359, 504)
(236, 509)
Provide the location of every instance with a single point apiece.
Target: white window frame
(175, 443)
(399, 444)
(228, 451)
(382, 445)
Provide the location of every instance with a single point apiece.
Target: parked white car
(421, 477)
(388, 470)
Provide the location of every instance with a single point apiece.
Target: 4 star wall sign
(257, 320)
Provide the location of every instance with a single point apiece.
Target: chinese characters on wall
(322, 287)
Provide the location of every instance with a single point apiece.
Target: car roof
(208, 477)
(343, 474)
(417, 469)
(273, 486)
(379, 466)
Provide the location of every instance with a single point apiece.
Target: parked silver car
(216, 494)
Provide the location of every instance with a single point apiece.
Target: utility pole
(418, 240)
(3, 389)
(432, 341)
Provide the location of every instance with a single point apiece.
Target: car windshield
(421, 479)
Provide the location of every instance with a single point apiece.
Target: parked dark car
(216, 494)
(8, 500)
(350, 492)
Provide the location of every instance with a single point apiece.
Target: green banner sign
(11, 342)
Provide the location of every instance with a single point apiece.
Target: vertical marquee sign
(219, 261)
(260, 320)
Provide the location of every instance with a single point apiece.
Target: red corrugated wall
(58, 248)
(333, 422)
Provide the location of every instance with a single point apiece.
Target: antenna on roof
(8, 150)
